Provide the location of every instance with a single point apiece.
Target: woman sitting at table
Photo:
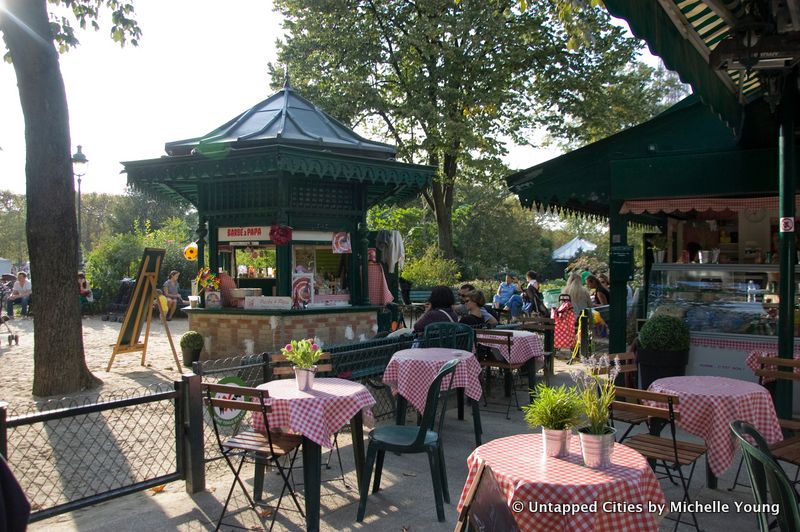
(600, 295)
(474, 302)
(441, 308)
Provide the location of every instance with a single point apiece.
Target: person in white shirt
(20, 295)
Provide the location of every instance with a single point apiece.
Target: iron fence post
(3, 429)
(584, 328)
(193, 454)
(180, 433)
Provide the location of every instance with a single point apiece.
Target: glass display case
(718, 298)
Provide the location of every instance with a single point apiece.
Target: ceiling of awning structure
(693, 37)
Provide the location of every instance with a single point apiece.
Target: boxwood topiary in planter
(663, 349)
(191, 345)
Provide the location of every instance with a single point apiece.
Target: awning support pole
(786, 232)
(618, 311)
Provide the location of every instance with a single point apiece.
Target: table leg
(508, 381)
(460, 398)
(258, 479)
(402, 406)
(530, 365)
(476, 421)
(711, 478)
(357, 431)
(312, 479)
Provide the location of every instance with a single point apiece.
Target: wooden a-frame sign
(140, 310)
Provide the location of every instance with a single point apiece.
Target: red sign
(233, 234)
(787, 225)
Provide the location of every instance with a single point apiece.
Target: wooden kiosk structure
(283, 162)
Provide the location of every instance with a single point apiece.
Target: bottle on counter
(751, 291)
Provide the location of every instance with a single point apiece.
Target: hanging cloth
(392, 249)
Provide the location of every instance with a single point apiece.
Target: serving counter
(233, 332)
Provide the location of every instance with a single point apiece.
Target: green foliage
(172, 237)
(554, 408)
(192, 340)
(135, 209)
(432, 269)
(302, 353)
(13, 241)
(664, 333)
(487, 286)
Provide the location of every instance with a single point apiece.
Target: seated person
(474, 303)
(172, 294)
(439, 308)
(600, 295)
(461, 309)
(530, 301)
(504, 294)
(84, 290)
(20, 295)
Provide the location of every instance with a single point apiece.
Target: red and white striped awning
(700, 204)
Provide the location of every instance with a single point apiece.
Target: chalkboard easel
(140, 310)
(485, 507)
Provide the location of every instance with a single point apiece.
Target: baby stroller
(564, 315)
(6, 284)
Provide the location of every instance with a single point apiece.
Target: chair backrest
(770, 367)
(449, 334)
(767, 478)
(537, 323)
(627, 363)
(434, 397)
(496, 337)
(225, 397)
(282, 368)
(628, 400)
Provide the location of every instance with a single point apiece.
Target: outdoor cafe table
(317, 414)
(620, 497)
(526, 346)
(410, 373)
(708, 404)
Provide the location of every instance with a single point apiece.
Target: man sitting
(20, 295)
(461, 309)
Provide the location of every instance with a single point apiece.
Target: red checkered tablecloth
(752, 362)
(525, 345)
(318, 413)
(411, 371)
(708, 405)
(379, 293)
(526, 476)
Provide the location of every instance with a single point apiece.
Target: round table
(525, 345)
(410, 373)
(625, 496)
(708, 404)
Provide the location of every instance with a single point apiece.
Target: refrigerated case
(730, 309)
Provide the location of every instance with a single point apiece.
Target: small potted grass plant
(596, 390)
(304, 354)
(557, 411)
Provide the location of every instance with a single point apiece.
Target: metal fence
(69, 454)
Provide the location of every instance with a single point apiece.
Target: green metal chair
(449, 334)
(766, 476)
(409, 439)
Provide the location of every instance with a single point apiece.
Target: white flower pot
(304, 377)
(597, 448)
(555, 442)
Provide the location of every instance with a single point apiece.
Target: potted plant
(304, 354)
(191, 345)
(663, 348)
(557, 411)
(596, 391)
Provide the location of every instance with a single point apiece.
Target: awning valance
(701, 204)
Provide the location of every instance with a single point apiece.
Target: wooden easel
(140, 310)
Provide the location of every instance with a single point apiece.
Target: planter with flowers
(557, 410)
(596, 391)
(304, 354)
(208, 282)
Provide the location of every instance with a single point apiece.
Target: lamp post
(79, 162)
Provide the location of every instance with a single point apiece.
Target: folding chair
(767, 479)
(501, 340)
(672, 453)
(787, 450)
(409, 439)
(256, 447)
(628, 369)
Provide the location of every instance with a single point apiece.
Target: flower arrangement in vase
(596, 390)
(304, 354)
(557, 410)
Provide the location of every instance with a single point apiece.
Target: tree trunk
(59, 363)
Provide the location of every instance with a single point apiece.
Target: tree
(445, 81)
(30, 34)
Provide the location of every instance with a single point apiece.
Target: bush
(554, 408)
(432, 269)
(192, 340)
(664, 333)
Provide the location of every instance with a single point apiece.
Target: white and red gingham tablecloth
(525, 345)
(708, 404)
(318, 413)
(411, 371)
(526, 476)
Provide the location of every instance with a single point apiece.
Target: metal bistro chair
(767, 477)
(449, 334)
(499, 339)
(628, 369)
(251, 445)
(409, 439)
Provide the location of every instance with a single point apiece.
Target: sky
(198, 65)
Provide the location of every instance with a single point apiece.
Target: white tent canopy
(572, 249)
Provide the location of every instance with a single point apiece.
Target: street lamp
(79, 163)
